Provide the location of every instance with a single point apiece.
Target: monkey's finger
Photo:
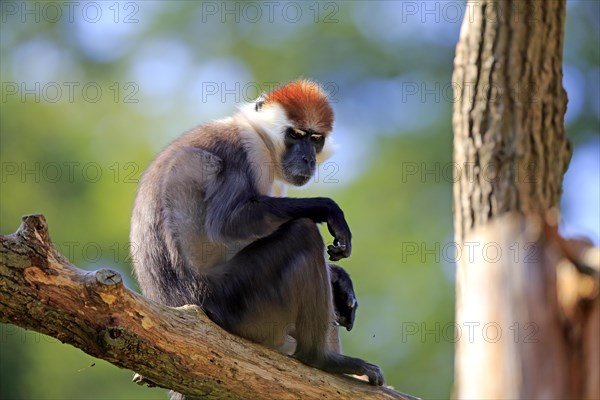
(335, 257)
(336, 253)
(344, 246)
(351, 302)
(343, 249)
(375, 375)
(334, 248)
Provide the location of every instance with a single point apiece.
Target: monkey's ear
(260, 101)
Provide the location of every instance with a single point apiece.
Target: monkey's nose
(309, 161)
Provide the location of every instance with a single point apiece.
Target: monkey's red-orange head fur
(305, 104)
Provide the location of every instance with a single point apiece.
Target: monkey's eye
(316, 138)
(293, 133)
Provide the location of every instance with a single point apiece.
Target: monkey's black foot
(344, 299)
(374, 373)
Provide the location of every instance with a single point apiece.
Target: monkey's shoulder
(221, 139)
(199, 157)
(193, 163)
(209, 153)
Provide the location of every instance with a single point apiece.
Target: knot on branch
(118, 338)
(107, 284)
(108, 277)
(34, 227)
(113, 335)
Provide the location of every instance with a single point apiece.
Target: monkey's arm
(318, 209)
(236, 212)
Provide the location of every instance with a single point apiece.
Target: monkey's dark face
(299, 161)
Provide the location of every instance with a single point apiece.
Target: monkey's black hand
(344, 299)
(339, 229)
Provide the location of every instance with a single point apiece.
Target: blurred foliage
(76, 156)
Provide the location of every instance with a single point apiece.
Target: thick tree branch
(176, 348)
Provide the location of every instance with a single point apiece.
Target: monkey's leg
(259, 292)
(280, 285)
(316, 340)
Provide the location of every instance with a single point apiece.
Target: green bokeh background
(164, 67)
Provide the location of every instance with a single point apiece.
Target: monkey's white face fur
(273, 122)
(291, 127)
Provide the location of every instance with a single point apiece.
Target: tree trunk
(526, 299)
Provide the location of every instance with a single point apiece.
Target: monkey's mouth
(298, 175)
(298, 179)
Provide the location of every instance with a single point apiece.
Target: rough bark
(509, 140)
(536, 290)
(176, 348)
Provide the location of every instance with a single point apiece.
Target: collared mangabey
(208, 229)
